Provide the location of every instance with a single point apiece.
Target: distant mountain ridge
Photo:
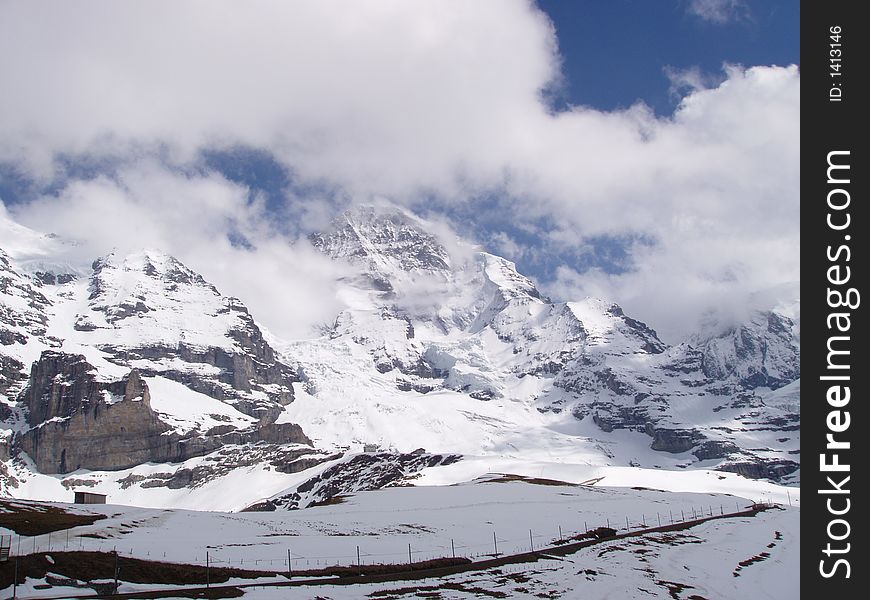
(590, 358)
(441, 346)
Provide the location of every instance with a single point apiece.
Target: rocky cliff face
(80, 421)
(62, 385)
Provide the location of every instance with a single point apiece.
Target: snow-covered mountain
(139, 377)
(474, 359)
(142, 361)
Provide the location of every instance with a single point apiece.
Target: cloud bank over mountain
(428, 104)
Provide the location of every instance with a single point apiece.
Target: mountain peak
(606, 322)
(762, 350)
(151, 263)
(384, 240)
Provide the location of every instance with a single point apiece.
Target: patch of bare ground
(508, 477)
(516, 578)
(427, 591)
(36, 519)
(674, 588)
(761, 556)
(599, 533)
(750, 561)
(89, 566)
(330, 501)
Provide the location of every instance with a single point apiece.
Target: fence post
(358, 561)
(116, 570)
(410, 561)
(289, 563)
(531, 542)
(452, 548)
(659, 518)
(626, 523)
(560, 533)
(207, 571)
(495, 544)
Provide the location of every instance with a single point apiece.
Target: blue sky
(618, 52)
(604, 146)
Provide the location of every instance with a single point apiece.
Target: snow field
(382, 523)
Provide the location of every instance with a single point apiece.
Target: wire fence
(292, 557)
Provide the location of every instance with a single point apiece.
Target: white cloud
(285, 282)
(413, 100)
(719, 11)
(690, 80)
(370, 94)
(675, 284)
(716, 188)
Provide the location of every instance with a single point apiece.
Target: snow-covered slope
(732, 557)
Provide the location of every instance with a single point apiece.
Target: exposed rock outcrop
(360, 473)
(11, 375)
(236, 374)
(761, 469)
(283, 458)
(80, 421)
(675, 440)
